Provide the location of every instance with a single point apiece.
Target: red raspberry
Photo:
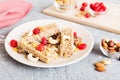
(101, 4)
(36, 30)
(13, 43)
(97, 4)
(75, 34)
(87, 15)
(97, 8)
(82, 46)
(82, 8)
(104, 8)
(92, 6)
(101, 10)
(40, 47)
(44, 41)
(84, 4)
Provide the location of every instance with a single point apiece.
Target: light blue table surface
(82, 70)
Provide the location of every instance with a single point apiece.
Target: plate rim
(51, 66)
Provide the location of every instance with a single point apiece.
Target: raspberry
(84, 4)
(98, 6)
(13, 43)
(87, 15)
(40, 47)
(82, 8)
(82, 46)
(75, 34)
(44, 41)
(101, 4)
(36, 30)
(104, 8)
(92, 6)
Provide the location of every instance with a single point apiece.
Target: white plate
(21, 29)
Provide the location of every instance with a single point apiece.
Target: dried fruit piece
(13, 43)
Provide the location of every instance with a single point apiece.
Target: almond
(118, 44)
(99, 64)
(100, 68)
(105, 45)
(103, 40)
(118, 49)
(112, 50)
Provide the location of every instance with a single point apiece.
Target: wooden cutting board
(109, 21)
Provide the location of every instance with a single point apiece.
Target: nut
(53, 41)
(117, 44)
(31, 58)
(111, 43)
(106, 48)
(99, 64)
(77, 40)
(118, 49)
(112, 50)
(103, 40)
(105, 45)
(101, 68)
(106, 62)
